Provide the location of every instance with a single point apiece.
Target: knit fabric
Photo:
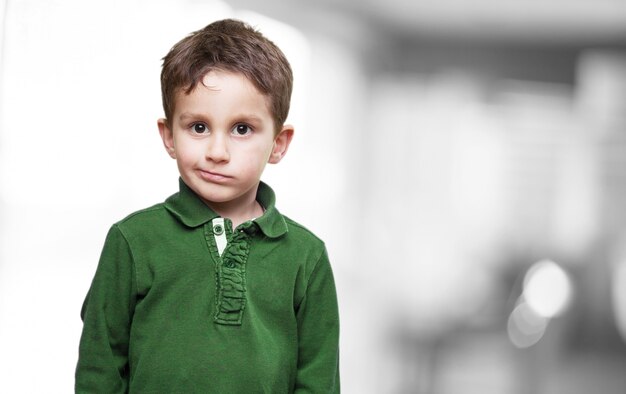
(167, 313)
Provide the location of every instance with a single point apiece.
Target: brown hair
(228, 45)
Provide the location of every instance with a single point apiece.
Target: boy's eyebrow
(250, 118)
(188, 115)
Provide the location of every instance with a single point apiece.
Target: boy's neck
(238, 211)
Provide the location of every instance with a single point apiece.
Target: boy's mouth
(210, 176)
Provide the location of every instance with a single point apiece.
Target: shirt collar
(272, 223)
(187, 207)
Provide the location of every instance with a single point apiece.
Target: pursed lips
(213, 176)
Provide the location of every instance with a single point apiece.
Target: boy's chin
(217, 194)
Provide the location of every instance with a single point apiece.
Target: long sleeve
(107, 314)
(318, 333)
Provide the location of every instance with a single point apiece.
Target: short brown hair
(228, 45)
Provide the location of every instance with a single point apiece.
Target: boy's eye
(199, 128)
(242, 129)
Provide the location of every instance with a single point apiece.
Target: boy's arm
(107, 313)
(318, 333)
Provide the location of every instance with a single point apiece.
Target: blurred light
(525, 327)
(547, 288)
(546, 294)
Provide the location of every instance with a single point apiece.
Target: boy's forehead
(217, 81)
(214, 78)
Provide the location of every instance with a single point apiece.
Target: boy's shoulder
(300, 231)
(147, 216)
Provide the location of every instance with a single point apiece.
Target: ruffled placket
(230, 267)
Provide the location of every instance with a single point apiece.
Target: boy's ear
(281, 144)
(167, 136)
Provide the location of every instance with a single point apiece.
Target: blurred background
(465, 162)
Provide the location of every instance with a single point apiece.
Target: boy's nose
(217, 149)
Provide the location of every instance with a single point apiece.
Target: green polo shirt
(168, 313)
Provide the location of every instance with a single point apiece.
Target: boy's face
(222, 135)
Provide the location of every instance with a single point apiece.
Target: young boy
(214, 291)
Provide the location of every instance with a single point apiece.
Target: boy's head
(228, 45)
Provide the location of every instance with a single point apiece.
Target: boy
(214, 291)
